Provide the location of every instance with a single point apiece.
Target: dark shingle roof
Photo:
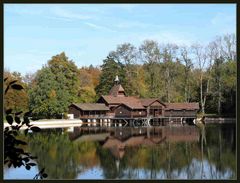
(133, 105)
(147, 101)
(131, 102)
(116, 89)
(179, 106)
(92, 107)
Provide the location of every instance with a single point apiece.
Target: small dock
(136, 122)
(47, 124)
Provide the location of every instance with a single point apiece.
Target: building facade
(118, 105)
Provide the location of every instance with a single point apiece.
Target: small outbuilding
(86, 110)
(181, 109)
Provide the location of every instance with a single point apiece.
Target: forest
(204, 73)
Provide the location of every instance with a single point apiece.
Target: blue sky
(33, 33)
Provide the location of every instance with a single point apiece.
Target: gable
(157, 103)
(152, 102)
(102, 100)
(123, 106)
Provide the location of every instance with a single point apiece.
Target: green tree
(126, 54)
(218, 81)
(66, 74)
(150, 56)
(188, 65)
(110, 69)
(56, 86)
(229, 79)
(89, 79)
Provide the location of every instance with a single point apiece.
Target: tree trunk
(201, 95)
(205, 96)
(219, 98)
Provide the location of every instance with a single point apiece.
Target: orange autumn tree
(17, 100)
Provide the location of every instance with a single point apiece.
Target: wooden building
(153, 107)
(88, 110)
(181, 109)
(118, 105)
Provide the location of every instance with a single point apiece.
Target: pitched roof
(92, 107)
(133, 105)
(148, 101)
(116, 89)
(131, 102)
(179, 106)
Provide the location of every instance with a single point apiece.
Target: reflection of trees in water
(156, 161)
(208, 158)
(108, 163)
(221, 150)
(62, 158)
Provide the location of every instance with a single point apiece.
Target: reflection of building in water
(149, 137)
(115, 146)
(116, 139)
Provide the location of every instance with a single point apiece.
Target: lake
(168, 152)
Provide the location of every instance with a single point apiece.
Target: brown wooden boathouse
(118, 105)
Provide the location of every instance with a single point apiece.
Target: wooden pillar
(148, 111)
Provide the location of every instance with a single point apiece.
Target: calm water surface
(132, 153)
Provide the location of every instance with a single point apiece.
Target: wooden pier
(109, 122)
(136, 122)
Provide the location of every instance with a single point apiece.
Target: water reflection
(137, 153)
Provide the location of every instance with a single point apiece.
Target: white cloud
(64, 13)
(135, 24)
(59, 18)
(99, 27)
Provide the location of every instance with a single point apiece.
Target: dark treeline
(171, 72)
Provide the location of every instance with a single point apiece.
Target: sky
(33, 33)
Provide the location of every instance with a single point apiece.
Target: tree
(201, 62)
(89, 79)
(217, 74)
(14, 154)
(17, 100)
(126, 54)
(94, 72)
(169, 71)
(229, 81)
(86, 94)
(57, 85)
(110, 69)
(222, 54)
(184, 51)
(66, 73)
(150, 56)
(227, 44)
